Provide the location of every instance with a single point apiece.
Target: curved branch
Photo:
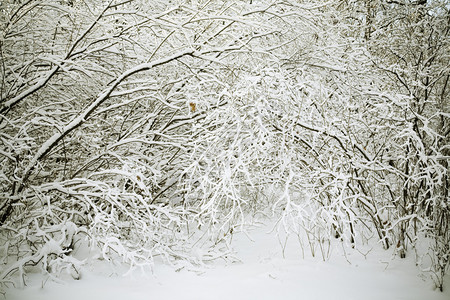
(75, 123)
(42, 82)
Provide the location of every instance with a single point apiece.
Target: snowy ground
(262, 274)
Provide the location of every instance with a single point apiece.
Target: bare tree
(148, 128)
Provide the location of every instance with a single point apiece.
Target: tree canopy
(158, 128)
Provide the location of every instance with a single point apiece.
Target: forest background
(158, 129)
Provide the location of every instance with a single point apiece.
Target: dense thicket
(158, 128)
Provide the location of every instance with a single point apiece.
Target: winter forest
(154, 130)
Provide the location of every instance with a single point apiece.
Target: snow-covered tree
(158, 128)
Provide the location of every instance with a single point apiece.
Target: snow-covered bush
(158, 128)
(110, 114)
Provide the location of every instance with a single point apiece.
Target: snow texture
(260, 273)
